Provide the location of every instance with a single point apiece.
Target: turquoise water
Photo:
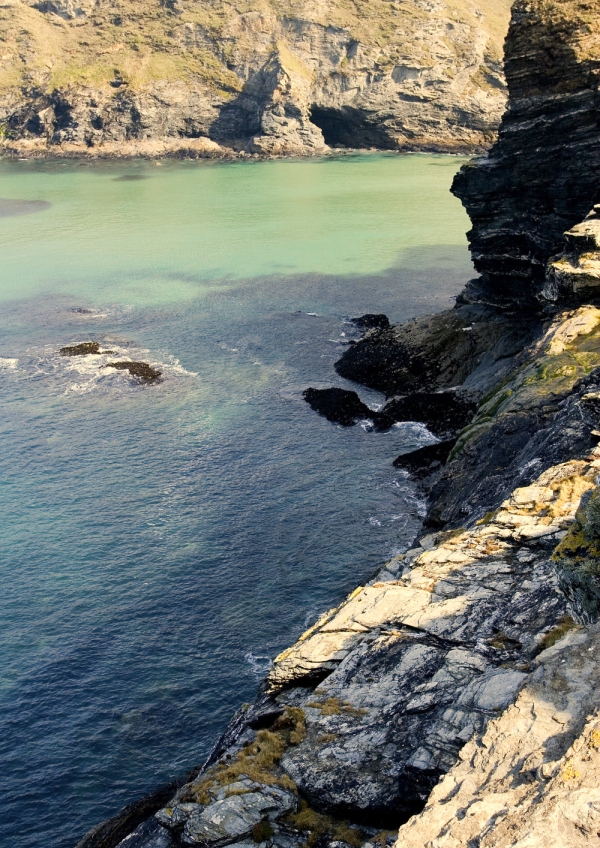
(162, 543)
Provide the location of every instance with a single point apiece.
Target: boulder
(339, 406)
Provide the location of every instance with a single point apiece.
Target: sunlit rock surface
(206, 79)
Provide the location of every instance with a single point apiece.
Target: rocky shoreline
(131, 78)
(453, 699)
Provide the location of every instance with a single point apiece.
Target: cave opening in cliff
(348, 126)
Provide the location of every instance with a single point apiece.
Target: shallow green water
(161, 544)
(121, 240)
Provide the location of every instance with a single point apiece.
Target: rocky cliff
(542, 176)
(452, 701)
(268, 78)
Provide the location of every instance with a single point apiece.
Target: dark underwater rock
(339, 406)
(141, 370)
(12, 208)
(425, 461)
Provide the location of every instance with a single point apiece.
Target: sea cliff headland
(126, 78)
(453, 699)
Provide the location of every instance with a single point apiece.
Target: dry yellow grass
(142, 41)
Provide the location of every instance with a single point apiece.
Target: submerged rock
(141, 370)
(13, 208)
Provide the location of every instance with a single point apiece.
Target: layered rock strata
(180, 77)
(361, 718)
(542, 175)
(413, 666)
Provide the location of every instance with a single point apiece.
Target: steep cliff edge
(542, 176)
(266, 78)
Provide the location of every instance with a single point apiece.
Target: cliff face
(264, 77)
(465, 672)
(542, 176)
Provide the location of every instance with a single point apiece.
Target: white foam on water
(258, 663)
(366, 425)
(88, 373)
(416, 431)
(8, 363)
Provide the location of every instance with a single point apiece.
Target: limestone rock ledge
(532, 780)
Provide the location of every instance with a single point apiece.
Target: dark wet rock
(81, 310)
(14, 208)
(442, 412)
(439, 351)
(141, 370)
(542, 176)
(137, 815)
(371, 320)
(83, 348)
(543, 414)
(339, 406)
(423, 462)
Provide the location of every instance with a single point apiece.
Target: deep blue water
(161, 543)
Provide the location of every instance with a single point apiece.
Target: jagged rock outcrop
(119, 76)
(411, 667)
(440, 351)
(575, 274)
(542, 176)
(444, 412)
(531, 781)
(537, 416)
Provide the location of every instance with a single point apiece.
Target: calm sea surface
(160, 544)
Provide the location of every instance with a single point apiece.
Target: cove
(162, 543)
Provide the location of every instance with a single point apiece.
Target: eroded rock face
(532, 779)
(542, 176)
(267, 80)
(575, 274)
(411, 668)
(539, 415)
(434, 352)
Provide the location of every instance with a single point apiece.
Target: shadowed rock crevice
(348, 126)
